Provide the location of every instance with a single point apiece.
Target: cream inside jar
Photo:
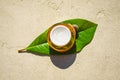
(60, 35)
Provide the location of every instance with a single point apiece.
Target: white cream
(60, 35)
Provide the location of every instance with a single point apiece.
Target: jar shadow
(63, 61)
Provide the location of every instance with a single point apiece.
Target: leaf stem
(22, 50)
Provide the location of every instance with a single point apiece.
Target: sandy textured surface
(23, 20)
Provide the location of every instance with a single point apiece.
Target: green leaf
(41, 48)
(84, 36)
(40, 39)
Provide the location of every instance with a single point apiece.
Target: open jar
(61, 37)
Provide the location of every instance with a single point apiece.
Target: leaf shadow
(35, 53)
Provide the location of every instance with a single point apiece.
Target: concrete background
(23, 20)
